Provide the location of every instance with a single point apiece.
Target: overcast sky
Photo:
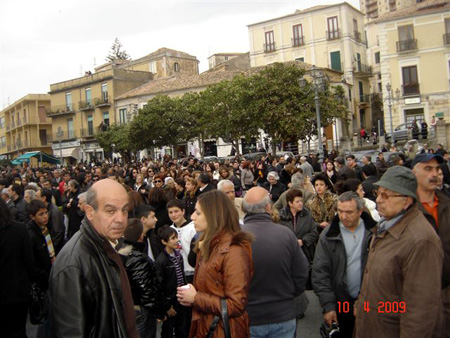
(44, 42)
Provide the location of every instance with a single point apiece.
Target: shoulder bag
(225, 321)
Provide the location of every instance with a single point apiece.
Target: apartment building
(377, 8)
(410, 51)
(25, 127)
(330, 36)
(83, 107)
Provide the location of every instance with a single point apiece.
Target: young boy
(169, 268)
(146, 214)
(144, 282)
(186, 231)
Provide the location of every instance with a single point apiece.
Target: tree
(117, 139)
(116, 52)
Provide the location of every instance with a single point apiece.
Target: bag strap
(225, 321)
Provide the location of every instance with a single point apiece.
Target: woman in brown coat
(224, 268)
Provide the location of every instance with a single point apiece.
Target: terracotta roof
(422, 8)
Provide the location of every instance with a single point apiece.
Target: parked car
(401, 131)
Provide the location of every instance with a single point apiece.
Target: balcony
(411, 89)
(357, 36)
(62, 135)
(371, 3)
(89, 132)
(86, 105)
(406, 45)
(363, 70)
(333, 35)
(60, 110)
(269, 47)
(447, 39)
(102, 101)
(298, 41)
(364, 100)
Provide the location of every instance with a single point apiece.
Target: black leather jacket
(85, 292)
(144, 282)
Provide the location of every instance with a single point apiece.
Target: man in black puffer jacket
(144, 282)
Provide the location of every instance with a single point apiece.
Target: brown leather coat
(226, 274)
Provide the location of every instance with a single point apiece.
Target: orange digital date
(383, 307)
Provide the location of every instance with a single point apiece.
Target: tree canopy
(116, 52)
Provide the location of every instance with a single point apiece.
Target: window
(2, 122)
(297, 33)
(377, 57)
(356, 31)
(123, 115)
(336, 60)
(106, 118)
(406, 38)
(333, 29)
(70, 131)
(361, 91)
(69, 102)
(88, 96)
(105, 92)
(176, 67)
(90, 122)
(3, 142)
(447, 32)
(410, 81)
(269, 46)
(302, 59)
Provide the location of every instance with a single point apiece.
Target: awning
(67, 152)
(39, 155)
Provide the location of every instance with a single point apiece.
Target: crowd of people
(227, 249)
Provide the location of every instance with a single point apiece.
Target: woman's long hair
(221, 216)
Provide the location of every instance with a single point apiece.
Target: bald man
(89, 291)
(280, 269)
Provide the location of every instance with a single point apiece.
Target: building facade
(83, 107)
(375, 8)
(25, 127)
(410, 51)
(330, 37)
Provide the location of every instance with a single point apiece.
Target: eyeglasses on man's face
(386, 196)
(158, 181)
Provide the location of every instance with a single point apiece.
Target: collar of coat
(443, 203)
(225, 239)
(397, 229)
(334, 230)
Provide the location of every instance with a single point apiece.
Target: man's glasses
(385, 196)
(157, 181)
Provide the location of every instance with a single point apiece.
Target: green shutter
(336, 60)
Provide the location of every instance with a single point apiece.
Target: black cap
(426, 157)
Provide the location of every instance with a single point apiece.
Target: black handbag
(36, 309)
(225, 321)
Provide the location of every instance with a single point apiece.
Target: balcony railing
(89, 132)
(406, 45)
(298, 41)
(447, 39)
(62, 135)
(86, 105)
(363, 69)
(333, 35)
(411, 89)
(364, 99)
(60, 110)
(102, 101)
(357, 36)
(269, 47)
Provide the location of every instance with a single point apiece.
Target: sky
(47, 41)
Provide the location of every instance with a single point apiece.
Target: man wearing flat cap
(435, 205)
(401, 289)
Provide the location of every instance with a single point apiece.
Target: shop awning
(39, 155)
(67, 152)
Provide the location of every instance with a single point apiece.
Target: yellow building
(410, 50)
(82, 107)
(330, 36)
(25, 127)
(376, 8)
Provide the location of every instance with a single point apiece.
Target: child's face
(149, 222)
(172, 243)
(176, 215)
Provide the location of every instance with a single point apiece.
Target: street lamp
(389, 89)
(319, 81)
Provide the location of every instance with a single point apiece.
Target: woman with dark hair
(16, 269)
(157, 198)
(260, 174)
(180, 185)
(130, 180)
(224, 268)
(247, 177)
(134, 199)
(190, 198)
(330, 171)
(70, 207)
(323, 205)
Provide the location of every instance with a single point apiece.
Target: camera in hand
(330, 331)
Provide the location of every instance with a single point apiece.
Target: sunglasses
(157, 181)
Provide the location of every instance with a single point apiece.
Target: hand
(171, 312)
(330, 317)
(323, 224)
(186, 296)
(300, 242)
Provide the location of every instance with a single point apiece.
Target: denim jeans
(275, 330)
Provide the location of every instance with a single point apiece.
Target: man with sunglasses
(401, 288)
(435, 205)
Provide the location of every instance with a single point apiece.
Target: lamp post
(389, 90)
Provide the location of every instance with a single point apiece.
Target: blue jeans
(275, 330)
